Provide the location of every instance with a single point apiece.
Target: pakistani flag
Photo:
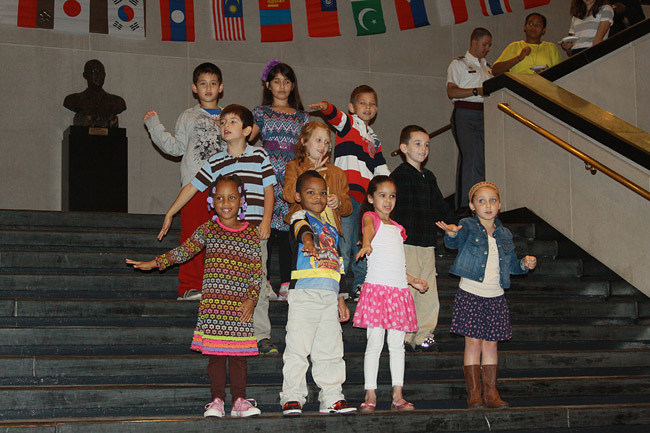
(368, 17)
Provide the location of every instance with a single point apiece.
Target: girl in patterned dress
(280, 119)
(486, 258)
(385, 302)
(231, 286)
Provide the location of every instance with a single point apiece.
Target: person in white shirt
(465, 77)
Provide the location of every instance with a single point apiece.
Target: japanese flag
(72, 16)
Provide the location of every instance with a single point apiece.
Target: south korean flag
(126, 18)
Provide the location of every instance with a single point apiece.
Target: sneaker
(266, 347)
(340, 406)
(244, 407)
(283, 292)
(428, 345)
(215, 409)
(356, 293)
(190, 295)
(292, 408)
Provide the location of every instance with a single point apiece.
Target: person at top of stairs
(386, 305)
(486, 258)
(231, 287)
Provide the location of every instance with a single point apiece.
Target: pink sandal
(367, 407)
(403, 405)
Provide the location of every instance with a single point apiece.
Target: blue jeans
(351, 225)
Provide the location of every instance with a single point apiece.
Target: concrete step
(119, 308)
(69, 370)
(138, 340)
(20, 402)
(113, 261)
(567, 417)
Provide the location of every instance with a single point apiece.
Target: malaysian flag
(228, 20)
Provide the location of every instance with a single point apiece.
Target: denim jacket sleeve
(455, 242)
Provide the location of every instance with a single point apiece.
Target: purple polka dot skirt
(483, 318)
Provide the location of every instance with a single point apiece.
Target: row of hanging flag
(127, 17)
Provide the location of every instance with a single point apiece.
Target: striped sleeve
(339, 120)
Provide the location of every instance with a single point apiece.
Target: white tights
(375, 343)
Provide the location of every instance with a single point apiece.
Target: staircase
(88, 344)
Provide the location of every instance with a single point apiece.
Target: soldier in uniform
(465, 77)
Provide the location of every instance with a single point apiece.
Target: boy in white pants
(315, 305)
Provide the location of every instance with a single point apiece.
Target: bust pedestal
(94, 169)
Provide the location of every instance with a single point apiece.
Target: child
(230, 337)
(280, 119)
(486, 258)
(315, 305)
(419, 205)
(197, 138)
(357, 152)
(385, 302)
(313, 153)
(253, 167)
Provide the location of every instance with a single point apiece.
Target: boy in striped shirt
(252, 165)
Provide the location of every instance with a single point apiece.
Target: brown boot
(491, 396)
(473, 386)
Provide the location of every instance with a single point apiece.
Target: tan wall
(607, 220)
(408, 69)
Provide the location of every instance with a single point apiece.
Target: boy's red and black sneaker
(340, 406)
(292, 408)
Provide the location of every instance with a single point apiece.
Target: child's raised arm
(145, 266)
(183, 198)
(368, 235)
(449, 229)
(320, 106)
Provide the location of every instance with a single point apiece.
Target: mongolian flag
(275, 20)
(322, 18)
(177, 20)
(36, 14)
(368, 17)
(411, 14)
(495, 7)
(452, 12)
(228, 20)
(534, 3)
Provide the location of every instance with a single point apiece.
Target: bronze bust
(94, 106)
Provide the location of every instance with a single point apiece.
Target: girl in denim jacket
(486, 258)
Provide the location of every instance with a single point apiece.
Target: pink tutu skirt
(385, 307)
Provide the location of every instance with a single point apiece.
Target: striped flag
(177, 20)
(452, 12)
(495, 7)
(322, 18)
(275, 20)
(35, 14)
(411, 14)
(534, 3)
(228, 20)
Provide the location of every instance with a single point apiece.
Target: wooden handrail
(432, 135)
(590, 163)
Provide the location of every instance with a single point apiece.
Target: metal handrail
(590, 164)
(432, 135)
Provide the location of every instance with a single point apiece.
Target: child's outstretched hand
(333, 201)
(364, 251)
(344, 312)
(145, 266)
(530, 262)
(450, 229)
(149, 114)
(322, 106)
(322, 162)
(421, 285)
(167, 223)
(310, 249)
(247, 307)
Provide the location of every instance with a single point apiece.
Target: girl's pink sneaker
(215, 409)
(243, 408)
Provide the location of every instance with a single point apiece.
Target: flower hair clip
(270, 65)
(242, 191)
